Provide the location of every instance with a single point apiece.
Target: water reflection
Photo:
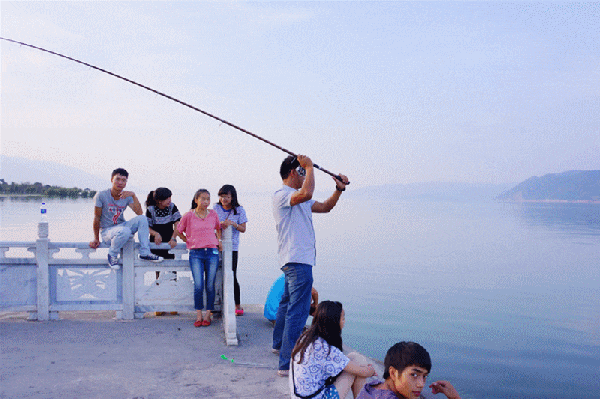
(20, 199)
(570, 218)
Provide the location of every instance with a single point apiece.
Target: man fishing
(292, 208)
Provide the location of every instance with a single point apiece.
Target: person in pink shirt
(201, 230)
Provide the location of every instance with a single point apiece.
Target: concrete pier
(93, 355)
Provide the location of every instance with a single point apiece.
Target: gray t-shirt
(295, 232)
(112, 210)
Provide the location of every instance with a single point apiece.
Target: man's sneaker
(113, 262)
(151, 258)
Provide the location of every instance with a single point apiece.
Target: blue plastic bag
(274, 297)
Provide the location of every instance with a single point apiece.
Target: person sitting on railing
(109, 220)
(201, 231)
(407, 365)
(163, 218)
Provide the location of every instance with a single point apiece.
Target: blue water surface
(505, 297)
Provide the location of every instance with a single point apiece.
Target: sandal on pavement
(283, 373)
(198, 323)
(206, 323)
(239, 312)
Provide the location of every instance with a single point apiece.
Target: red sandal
(198, 323)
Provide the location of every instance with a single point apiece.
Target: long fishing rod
(172, 99)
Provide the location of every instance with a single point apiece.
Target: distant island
(571, 186)
(43, 190)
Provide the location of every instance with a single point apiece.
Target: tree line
(45, 190)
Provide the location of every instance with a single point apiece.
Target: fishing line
(172, 99)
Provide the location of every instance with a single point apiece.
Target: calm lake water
(505, 297)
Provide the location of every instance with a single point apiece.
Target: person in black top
(163, 217)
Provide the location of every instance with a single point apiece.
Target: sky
(384, 92)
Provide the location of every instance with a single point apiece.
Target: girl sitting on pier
(320, 370)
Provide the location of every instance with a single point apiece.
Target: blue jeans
(293, 310)
(204, 262)
(118, 235)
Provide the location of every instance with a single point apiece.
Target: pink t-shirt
(200, 233)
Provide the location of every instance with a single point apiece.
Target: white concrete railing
(71, 276)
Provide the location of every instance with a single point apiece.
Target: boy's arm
(135, 205)
(96, 227)
(444, 387)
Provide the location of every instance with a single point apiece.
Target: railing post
(41, 257)
(128, 280)
(228, 308)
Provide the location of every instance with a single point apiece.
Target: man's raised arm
(329, 203)
(305, 192)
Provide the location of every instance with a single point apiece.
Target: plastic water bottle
(44, 213)
(43, 224)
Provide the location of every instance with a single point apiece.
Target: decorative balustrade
(71, 276)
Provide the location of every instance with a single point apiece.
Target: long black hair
(160, 194)
(325, 324)
(229, 189)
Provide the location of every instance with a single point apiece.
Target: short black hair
(119, 171)
(288, 164)
(405, 354)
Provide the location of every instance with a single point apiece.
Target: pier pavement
(93, 355)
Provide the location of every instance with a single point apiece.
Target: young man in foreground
(407, 365)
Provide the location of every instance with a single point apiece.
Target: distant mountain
(437, 191)
(22, 170)
(574, 185)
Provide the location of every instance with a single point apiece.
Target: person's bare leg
(356, 382)
(344, 383)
